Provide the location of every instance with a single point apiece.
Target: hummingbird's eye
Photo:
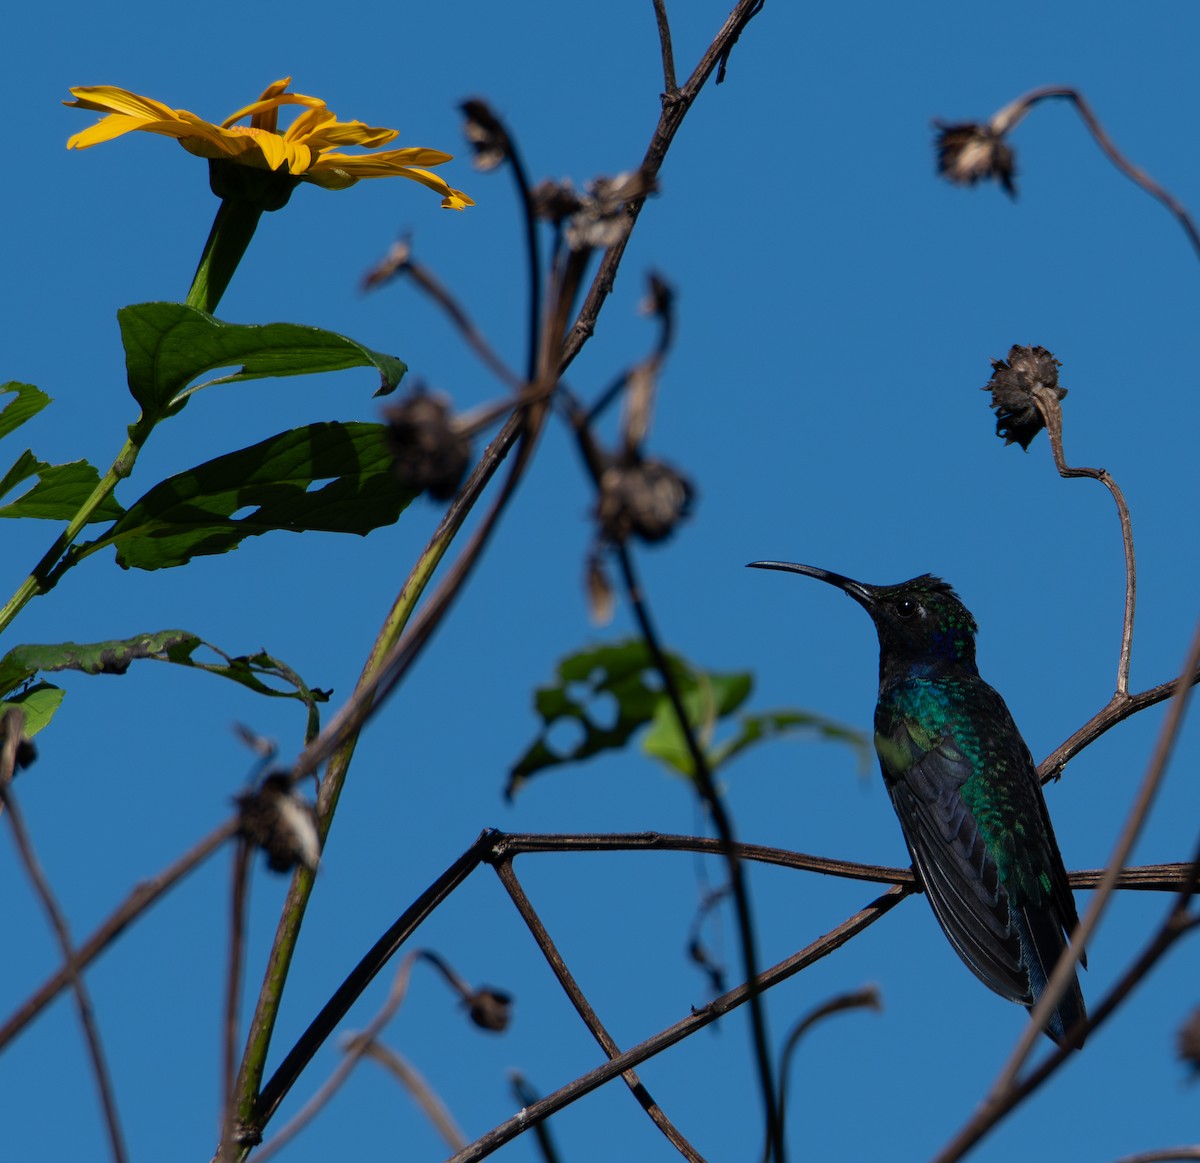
(906, 607)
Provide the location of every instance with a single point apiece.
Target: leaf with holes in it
(614, 674)
(167, 345)
(625, 675)
(22, 663)
(59, 493)
(29, 402)
(332, 477)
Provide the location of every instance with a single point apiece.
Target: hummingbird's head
(921, 623)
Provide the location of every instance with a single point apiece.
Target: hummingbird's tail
(1042, 943)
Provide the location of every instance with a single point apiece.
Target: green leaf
(192, 514)
(168, 345)
(624, 674)
(21, 663)
(39, 703)
(59, 493)
(768, 725)
(29, 402)
(615, 672)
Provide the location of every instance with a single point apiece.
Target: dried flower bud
(1189, 1042)
(490, 1009)
(431, 453)
(554, 201)
(660, 296)
(601, 220)
(1014, 385)
(646, 498)
(969, 153)
(599, 592)
(486, 134)
(280, 822)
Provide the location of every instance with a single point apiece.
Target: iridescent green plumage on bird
(966, 790)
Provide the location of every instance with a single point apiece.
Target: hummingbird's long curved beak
(859, 591)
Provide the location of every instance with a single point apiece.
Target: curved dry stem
(1012, 114)
(58, 923)
(1051, 412)
(423, 1094)
(866, 998)
(355, 1046)
(707, 788)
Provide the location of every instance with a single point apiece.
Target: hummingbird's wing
(952, 859)
(1007, 926)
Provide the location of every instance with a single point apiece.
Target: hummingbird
(967, 793)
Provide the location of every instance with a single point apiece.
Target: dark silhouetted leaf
(168, 345)
(192, 514)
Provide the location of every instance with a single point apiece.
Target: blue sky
(838, 308)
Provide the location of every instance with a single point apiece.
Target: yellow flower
(306, 149)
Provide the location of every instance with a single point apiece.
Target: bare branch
(583, 1007)
(718, 1007)
(139, 901)
(668, 54)
(14, 721)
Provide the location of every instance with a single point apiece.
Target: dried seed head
(601, 220)
(430, 453)
(1014, 385)
(969, 153)
(1189, 1042)
(645, 498)
(281, 822)
(490, 1009)
(486, 135)
(554, 201)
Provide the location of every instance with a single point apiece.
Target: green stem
(40, 580)
(232, 229)
(231, 232)
(263, 1023)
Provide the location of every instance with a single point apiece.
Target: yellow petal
(105, 130)
(110, 99)
(354, 133)
(260, 109)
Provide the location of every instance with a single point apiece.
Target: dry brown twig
(13, 721)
